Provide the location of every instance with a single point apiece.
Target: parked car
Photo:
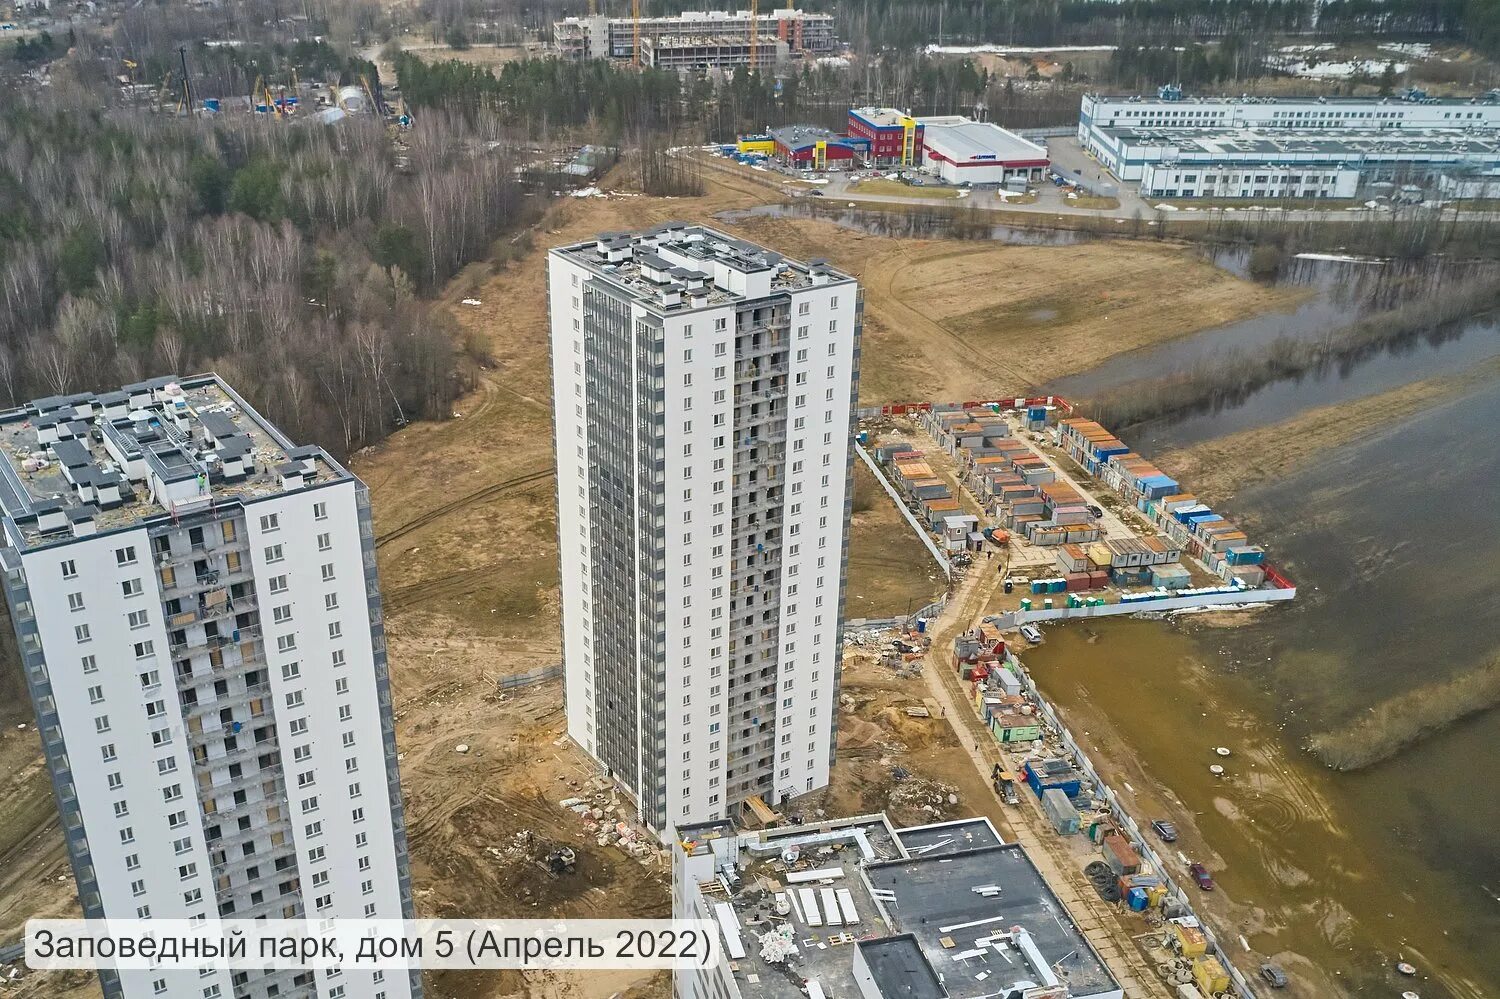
(1166, 830)
(1094, 511)
(1274, 976)
(1031, 633)
(1201, 877)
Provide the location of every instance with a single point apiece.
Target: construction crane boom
(186, 103)
(635, 30)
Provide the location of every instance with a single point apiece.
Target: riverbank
(1220, 467)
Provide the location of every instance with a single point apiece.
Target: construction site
(1075, 522)
(505, 816)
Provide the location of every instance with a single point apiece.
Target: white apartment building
(196, 606)
(703, 390)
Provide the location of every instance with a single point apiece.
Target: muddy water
(1393, 544)
(907, 224)
(1341, 293)
(1314, 871)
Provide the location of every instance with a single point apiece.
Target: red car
(1201, 877)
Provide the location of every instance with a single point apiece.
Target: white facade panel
(740, 382)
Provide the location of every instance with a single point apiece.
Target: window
(320, 511)
(177, 820)
(274, 554)
(125, 556)
(108, 752)
(348, 739)
(313, 830)
(325, 542)
(286, 643)
(90, 664)
(351, 765)
(294, 699)
(115, 781)
(75, 601)
(172, 793)
(145, 650)
(81, 633)
(338, 657)
(298, 726)
(345, 712)
(335, 629)
(130, 587)
(186, 872)
(270, 522)
(358, 815)
(355, 791)
(96, 694)
(182, 846)
(127, 835)
(193, 897)
(278, 584)
(327, 570)
(360, 840)
(139, 619)
(138, 888)
(341, 685)
(101, 725)
(330, 601)
(310, 804)
(306, 778)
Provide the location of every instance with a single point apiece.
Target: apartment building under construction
(694, 39)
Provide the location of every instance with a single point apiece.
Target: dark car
(1166, 830)
(1094, 511)
(1274, 976)
(1201, 877)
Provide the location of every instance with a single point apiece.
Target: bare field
(890, 571)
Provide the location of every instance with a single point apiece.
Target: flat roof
(1395, 101)
(880, 117)
(935, 898)
(910, 891)
(966, 139)
(948, 837)
(99, 454)
(701, 251)
(900, 969)
(1340, 141)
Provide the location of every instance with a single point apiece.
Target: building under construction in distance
(695, 39)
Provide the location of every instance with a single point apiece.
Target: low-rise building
(861, 908)
(962, 150)
(895, 136)
(785, 32)
(808, 147)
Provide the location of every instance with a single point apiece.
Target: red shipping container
(1077, 581)
(1099, 580)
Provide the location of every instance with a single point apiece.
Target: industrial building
(198, 618)
(807, 147)
(858, 908)
(961, 150)
(788, 32)
(1287, 147)
(895, 137)
(704, 390)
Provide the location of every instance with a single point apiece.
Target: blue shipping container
(1137, 899)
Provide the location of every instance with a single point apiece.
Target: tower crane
(635, 30)
(754, 35)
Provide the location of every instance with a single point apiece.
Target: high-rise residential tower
(703, 391)
(199, 621)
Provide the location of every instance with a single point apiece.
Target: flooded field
(917, 223)
(1392, 541)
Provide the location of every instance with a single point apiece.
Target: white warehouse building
(198, 618)
(1279, 147)
(703, 392)
(962, 150)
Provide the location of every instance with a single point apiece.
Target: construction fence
(1131, 830)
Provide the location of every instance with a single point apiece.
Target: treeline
(290, 259)
(545, 92)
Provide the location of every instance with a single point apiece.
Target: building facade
(198, 615)
(786, 31)
(703, 391)
(895, 137)
(961, 150)
(1299, 147)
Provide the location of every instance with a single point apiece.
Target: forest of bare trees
(294, 260)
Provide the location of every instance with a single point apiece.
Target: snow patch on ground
(1013, 49)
